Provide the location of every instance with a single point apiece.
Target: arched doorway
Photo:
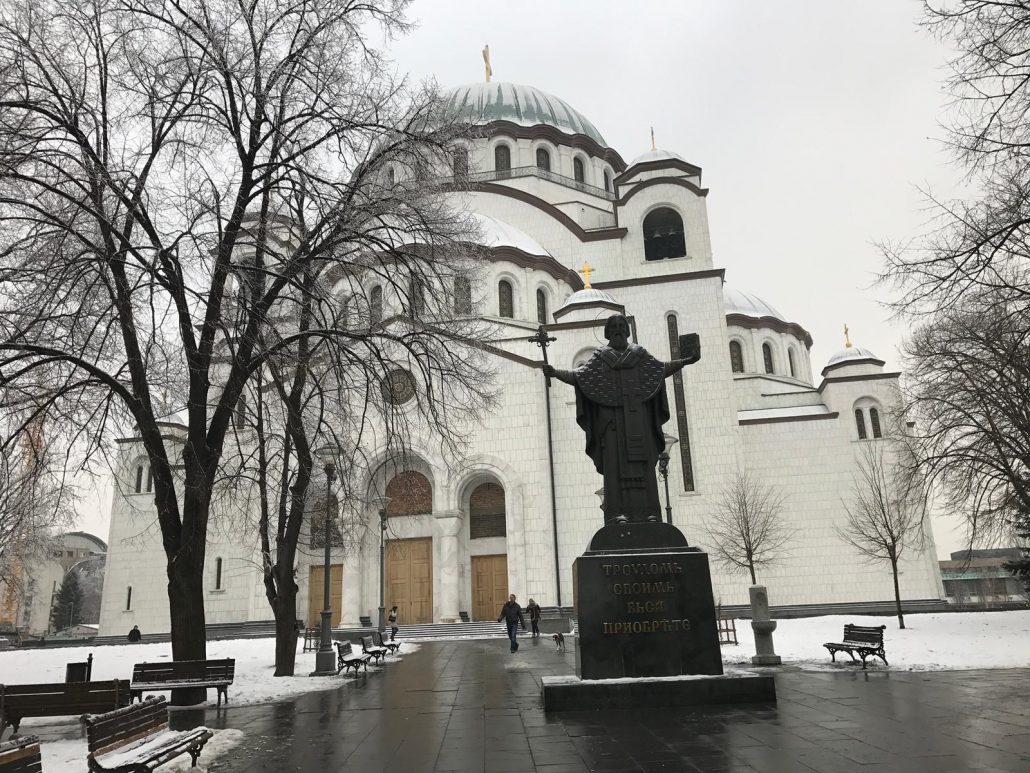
(409, 562)
(487, 530)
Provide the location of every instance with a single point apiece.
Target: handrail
(545, 174)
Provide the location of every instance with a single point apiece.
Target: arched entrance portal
(487, 532)
(409, 562)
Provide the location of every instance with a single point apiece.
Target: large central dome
(482, 103)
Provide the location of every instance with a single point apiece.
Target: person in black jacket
(511, 614)
(134, 634)
(534, 616)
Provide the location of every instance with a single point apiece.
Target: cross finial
(847, 340)
(486, 62)
(586, 271)
(653, 146)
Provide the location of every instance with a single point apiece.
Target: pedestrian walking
(511, 614)
(393, 622)
(534, 616)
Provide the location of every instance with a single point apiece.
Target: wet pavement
(471, 707)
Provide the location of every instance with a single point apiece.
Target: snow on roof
(784, 413)
(749, 305)
(496, 233)
(656, 155)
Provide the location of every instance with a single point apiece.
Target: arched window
(607, 180)
(461, 162)
(860, 424)
(790, 362)
(343, 321)
(239, 414)
(663, 235)
(543, 159)
(416, 296)
(462, 295)
(139, 479)
(736, 357)
(502, 160)
(410, 493)
(486, 511)
(767, 357)
(218, 574)
(578, 171)
(874, 421)
(375, 305)
(541, 306)
(505, 300)
(391, 176)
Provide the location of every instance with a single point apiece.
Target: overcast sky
(816, 123)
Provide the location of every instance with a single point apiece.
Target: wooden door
(316, 594)
(489, 586)
(409, 579)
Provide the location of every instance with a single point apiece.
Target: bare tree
(886, 513)
(180, 184)
(747, 528)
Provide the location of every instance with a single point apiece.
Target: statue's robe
(621, 405)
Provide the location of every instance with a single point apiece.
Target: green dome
(482, 103)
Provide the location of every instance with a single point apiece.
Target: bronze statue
(621, 406)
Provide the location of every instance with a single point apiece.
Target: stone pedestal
(644, 610)
(763, 626)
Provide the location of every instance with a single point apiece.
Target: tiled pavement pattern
(471, 706)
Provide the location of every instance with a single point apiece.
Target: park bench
(861, 639)
(312, 639)
(18, 701)
(381, 641)
(137, 739)
(21, 755)
(150, 677)
(346, 658)
(377, 653)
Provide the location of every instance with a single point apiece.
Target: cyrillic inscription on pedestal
(646, 613)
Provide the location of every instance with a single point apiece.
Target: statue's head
(616, 331)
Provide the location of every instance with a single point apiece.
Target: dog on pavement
(559, 642)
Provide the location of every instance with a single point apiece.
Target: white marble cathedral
(553, 197)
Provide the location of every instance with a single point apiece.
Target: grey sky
(814, 123)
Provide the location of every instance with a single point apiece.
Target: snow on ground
(929, 642)
(254, 683)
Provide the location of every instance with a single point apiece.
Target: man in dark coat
(534, 616)
(621, 406)
(134, 634)
(511, 614)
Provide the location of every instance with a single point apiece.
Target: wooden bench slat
(21, 755)
(866, 641)
(150, 677)
(18, 701)
(138, 738)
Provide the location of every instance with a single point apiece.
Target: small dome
(747, 304)
(852, 353)
(656, 155)
(496, 233)
(482, 103)
(589, 295)
(587, 298)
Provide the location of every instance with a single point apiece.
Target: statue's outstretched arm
(568, 376)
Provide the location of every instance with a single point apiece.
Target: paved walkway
(470, 706)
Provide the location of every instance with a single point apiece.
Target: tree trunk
(897, 593)
(186, 611)
(285, 610)
(751, 568)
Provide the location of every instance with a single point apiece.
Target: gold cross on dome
(586, 271)
(847, 340)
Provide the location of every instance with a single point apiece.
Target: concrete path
(471, 707)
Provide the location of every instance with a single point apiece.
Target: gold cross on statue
(847, 340)
(586, 271)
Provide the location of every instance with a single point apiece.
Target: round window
(398, 386)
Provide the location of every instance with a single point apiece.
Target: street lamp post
(663, 470)
(382, 568)
(325, 658)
